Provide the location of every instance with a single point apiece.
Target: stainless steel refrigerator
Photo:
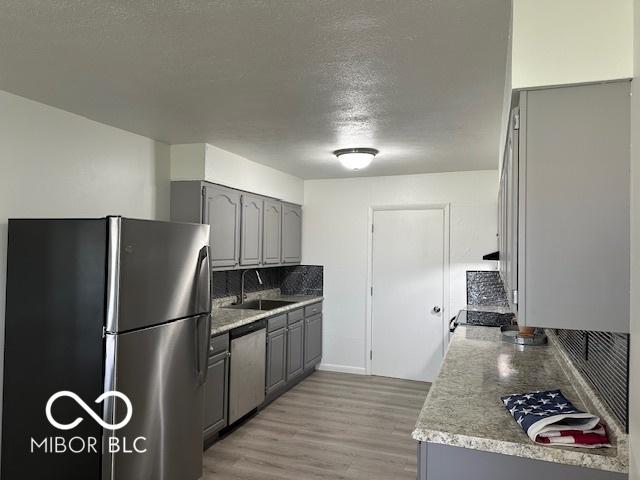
(99, 305)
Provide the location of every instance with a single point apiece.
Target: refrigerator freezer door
(162, 371)
(157, 272)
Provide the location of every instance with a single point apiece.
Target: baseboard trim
(330, 367)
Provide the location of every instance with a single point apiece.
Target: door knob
(436, 309)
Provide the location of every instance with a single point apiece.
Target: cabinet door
(511, 267)
(505, 210)
(291, 233)
(500, 217)
(215, 396)
(276, 359)
(222, 212)
(271, 232)
(251, 233)
(574, 203)
(295, 350)
(312, 341)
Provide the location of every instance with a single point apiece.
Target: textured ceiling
(281, 82)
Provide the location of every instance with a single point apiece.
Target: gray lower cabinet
(271, 232)
(217, 386)
(251, 231)
(444, 462)
(312, 341)
(291, 233)
(276, 360)
(295, 350)
(222, 211)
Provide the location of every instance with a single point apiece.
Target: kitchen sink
(261, 304)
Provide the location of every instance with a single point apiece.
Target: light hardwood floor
(330, 426)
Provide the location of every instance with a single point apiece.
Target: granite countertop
(463, 407)
(488, 308)
(225, 319)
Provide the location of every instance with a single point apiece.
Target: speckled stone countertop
(463, 407)
(225, 319)
(487, 308)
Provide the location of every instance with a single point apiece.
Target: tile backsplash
(603, 359)
(291, 280)
(485, 288)
(302, 280)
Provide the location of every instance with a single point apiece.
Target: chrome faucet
(242, 294)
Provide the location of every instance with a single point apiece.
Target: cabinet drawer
(295, 316)
(219, 344)
(313, 309)
(279, 321)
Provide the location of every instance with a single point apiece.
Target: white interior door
(408, 293)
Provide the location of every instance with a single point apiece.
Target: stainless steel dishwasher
(247, 369)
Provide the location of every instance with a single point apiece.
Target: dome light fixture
(355, 158)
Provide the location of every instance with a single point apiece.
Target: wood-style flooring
(329, 426)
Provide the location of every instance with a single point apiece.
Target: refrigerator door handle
(202, 347)
(203, 254)
(202, 336)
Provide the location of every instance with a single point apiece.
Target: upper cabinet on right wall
(564, 207)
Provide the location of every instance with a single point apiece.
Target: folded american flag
(549, 418)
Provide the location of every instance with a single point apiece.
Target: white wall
(335, 234)
(57, 164)
(571, 41)
(634, 405)
(188, 161)
(199, 161)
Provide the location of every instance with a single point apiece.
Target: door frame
(446, 209)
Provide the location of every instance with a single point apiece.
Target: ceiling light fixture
(355, 158)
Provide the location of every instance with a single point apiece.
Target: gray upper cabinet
(511, 270)
(222, 212)
(271, 232)
(251, 232)
(567, 183)
(508, 213)
(247, 230)
(291, 233)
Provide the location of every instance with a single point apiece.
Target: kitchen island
(464, 431)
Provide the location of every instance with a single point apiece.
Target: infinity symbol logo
(79, 401)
